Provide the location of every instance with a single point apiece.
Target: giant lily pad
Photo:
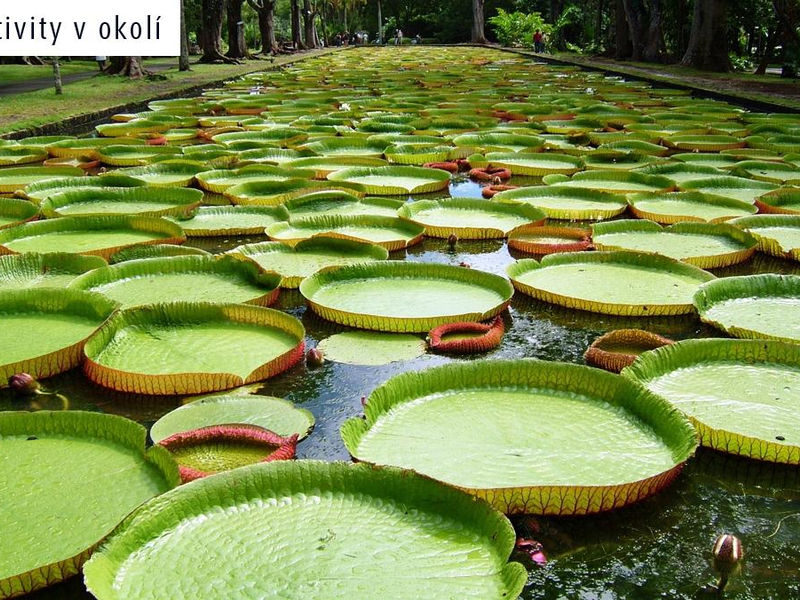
(705, 143)
(470, 218)
(57, 269)
(214, 221)
(328, 525)
(782, 201)
(394, 181)
(391, 233)
(147, 201)
(741, 395)
(309, 256)
(271, 192)
(535, 164)
(169, 173)
(68, 479)
(617, 283)
(617, 182)
(21, 155)
(134, 155)
(192, 348)
(154, 251)
(412, 297)
(688, 206)
(778, 235)
(13, 212)
(186, 278)
(528, 436)
(704, 245)
(44, 329)
(771, 171)
(738, 188)
(325, 165)
(221, 180)
(101, 236)
(340, 203)
(240, 406)
(41, 190)
(567, 203)
(756, 306)
(371, 347)
(15, 179)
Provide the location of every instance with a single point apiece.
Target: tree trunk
(237, 48)
(624, 48)
(183, 60)
(556, 8)
(766, 57)
(634, 16)
(309, 26)
(708, 41)
(210, 35)
(57, 76)
(297, 38)
(265, 10)
(129, 66)
(380, 23)
(788, 14)
(654, 47)
(598, 24)
(478, 28)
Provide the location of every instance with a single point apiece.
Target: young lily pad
(615, 350)
(549, 240)
(169, 173)
(778, 235)
(688, 206)
(535, 164)
(100, 236)
(328, 525)
(146, 201)
(154, 251)
(704, 245)
(394, 181)
(411, 297)
(16, 179)
(44, 330)
(568, 203)
(470, 218)
(243, 406)
(371, 348)
(54, 270)
(309, 256)
(192, 348)
(185, 278)
(765, 306)
(340, 203)
(616, 182)
(216, 221)
(528, 436)
(69, 478)
(616, 283)
(391, 233)
(466, 338)
(741, 395)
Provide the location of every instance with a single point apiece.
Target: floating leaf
(371, 348)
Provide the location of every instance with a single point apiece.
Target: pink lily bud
(315, 357)
(23, 383)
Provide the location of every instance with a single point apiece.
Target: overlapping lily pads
(528, 436)
(741, 395)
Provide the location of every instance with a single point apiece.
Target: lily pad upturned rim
(36, 264)
(481, 337)
(277, 213)
(410, 211)
(699, 197)
(183, 200)
(438, 179)
(616, 202)
(109, 428)
(311, 285)
(746, 287)
(326, 226)
(55, 301)
(711, 261)
(660, 416)
(767, 244)
(686, 353)
(154, 251)
(189, 383)
(22, 210)
(601, 355)
(635, 259)
(43, 172)
(282, 478)
(773, 202)
(582, 239)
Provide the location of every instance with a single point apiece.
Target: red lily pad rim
(490, 336)
(598, 354)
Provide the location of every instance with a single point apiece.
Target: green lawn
(32, 109)
(10, 74)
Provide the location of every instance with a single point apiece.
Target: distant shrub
(517, 28)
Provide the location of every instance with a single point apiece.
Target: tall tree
(265, 10)
(183, 59)
(210, 34)
(788, 13)
(478, 20)
(57, 76)
(654, 48)
(309, 24)
(237, 48)
(297, 38)
(130, 66)
(708, 41)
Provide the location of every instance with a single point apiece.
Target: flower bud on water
(452, 240)
(727, 552)
(25, 384)
(315, 357)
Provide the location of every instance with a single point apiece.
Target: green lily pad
(136, 155)
(186, 278)
(371, 348)
(688, 206)
(741, 395)
(309, 256)
(54, 270)
(763, 306)
(616, 283)
(391, 233)
(567, 202)
(394, 181)
(680, 172)
(272, 193)
(154, 251)
(192, 348)
(704, 245)
(719, 161)
(242, 405)
(770, 171)
(41, 190)
(340, 203)
(417, 154)
(101, 236)
(347, 147)
(145, 201)
(216, 221)
(470, 218)
(44, 330)
(14, 212)
(778, 235)
(782, 201)
(16, 179)
(325, 165)
(410, 297)
(69, 478)
(535, 164)
(219, 181)
(328, 525)
(705, 143)
(617, 182)
(87, 147)
(169, 173)
(496, 141)
(21, 155)
(528, 436)
(738, 188)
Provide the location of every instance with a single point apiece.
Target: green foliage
(570, 28)
(517, 28)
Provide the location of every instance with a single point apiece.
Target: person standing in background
(101, 62)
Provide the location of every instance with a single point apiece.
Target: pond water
(659, 548)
